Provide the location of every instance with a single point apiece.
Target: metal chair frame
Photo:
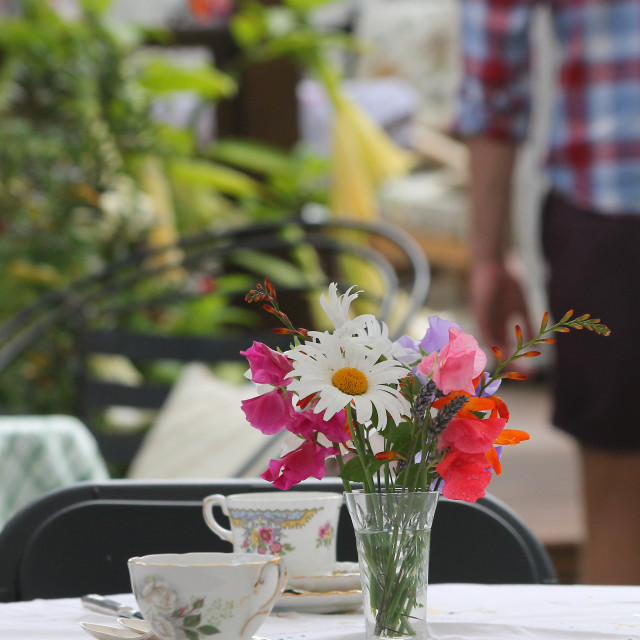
(77, 539)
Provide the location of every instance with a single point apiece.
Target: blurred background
(126, 126)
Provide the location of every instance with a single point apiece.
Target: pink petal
(308, 460)
(267, 366)
(268, 412)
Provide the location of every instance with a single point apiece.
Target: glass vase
(393, 534)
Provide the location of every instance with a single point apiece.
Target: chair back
(157, 310)
(77, 540)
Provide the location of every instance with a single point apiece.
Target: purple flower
(437, 334)
(489, 390)
(412, 348)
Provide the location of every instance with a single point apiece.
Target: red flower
(471, 435)
(465, 475)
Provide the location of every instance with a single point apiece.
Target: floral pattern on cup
(325, 535)
(176, 621)
(265, 530)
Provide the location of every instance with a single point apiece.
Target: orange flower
(507, 436)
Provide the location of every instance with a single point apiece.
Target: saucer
(105, 632)
(314, 602)
(344, 577)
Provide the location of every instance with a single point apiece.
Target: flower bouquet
(405, 420)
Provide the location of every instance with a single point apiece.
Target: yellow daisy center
(350, 381)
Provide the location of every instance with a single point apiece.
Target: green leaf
(179, 140)
(353, 471)
(280, 271)
(192, 635)
(96, 6)
(192, 621)
(249, 26)
(252, 156)
(207, 174)
(306, 5)
(208, 630)
(161, 76)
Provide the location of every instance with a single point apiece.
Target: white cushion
(201, 432)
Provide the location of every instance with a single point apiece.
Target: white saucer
(314, 602)
(135, 624)
(344, 577)
(105, 632)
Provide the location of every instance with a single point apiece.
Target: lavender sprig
(447, 413)
(423, 400)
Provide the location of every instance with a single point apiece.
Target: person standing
(590, 227)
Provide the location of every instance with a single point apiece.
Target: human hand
(498, 302)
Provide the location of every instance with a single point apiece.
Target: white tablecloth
(456, 612)
(40, 453)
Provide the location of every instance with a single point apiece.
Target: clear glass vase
(393, 533)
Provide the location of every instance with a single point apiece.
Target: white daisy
(370, 330)
(337, 307)
(342, 371)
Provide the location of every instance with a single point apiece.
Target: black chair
(77, 540)
(186, 303)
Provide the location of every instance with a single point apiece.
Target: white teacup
(299, 526)
(206, 594)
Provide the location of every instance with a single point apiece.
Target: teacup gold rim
(286, 497)
(249, 562)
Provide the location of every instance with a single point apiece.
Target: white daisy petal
(315, 367)
(337, 307)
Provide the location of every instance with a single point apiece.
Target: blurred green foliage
(88, 174)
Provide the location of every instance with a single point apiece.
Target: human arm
(493, 114)
(495, 289)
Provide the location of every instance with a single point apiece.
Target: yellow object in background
(362, 156)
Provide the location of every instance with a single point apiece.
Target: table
(40, 453)
(456, 612)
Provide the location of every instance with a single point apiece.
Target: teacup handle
(265, 609)
(207, 511)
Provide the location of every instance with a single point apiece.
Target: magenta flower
(325, 530)
(267, 366)
(268, 412)
(307, 424)
(265, 534)
(307, 461)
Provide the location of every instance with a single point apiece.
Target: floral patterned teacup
(197, 595)
(299, 526)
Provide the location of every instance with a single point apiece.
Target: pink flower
(471, 435)
(457, 364)
(307, 423)
(265, 534)
(268, 412)
(325, 530)
(465, 475)
(267, 366)
(276, 547)
(308, 460)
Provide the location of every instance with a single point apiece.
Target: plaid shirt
(594, 147)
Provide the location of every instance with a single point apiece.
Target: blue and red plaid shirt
(594, 148)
